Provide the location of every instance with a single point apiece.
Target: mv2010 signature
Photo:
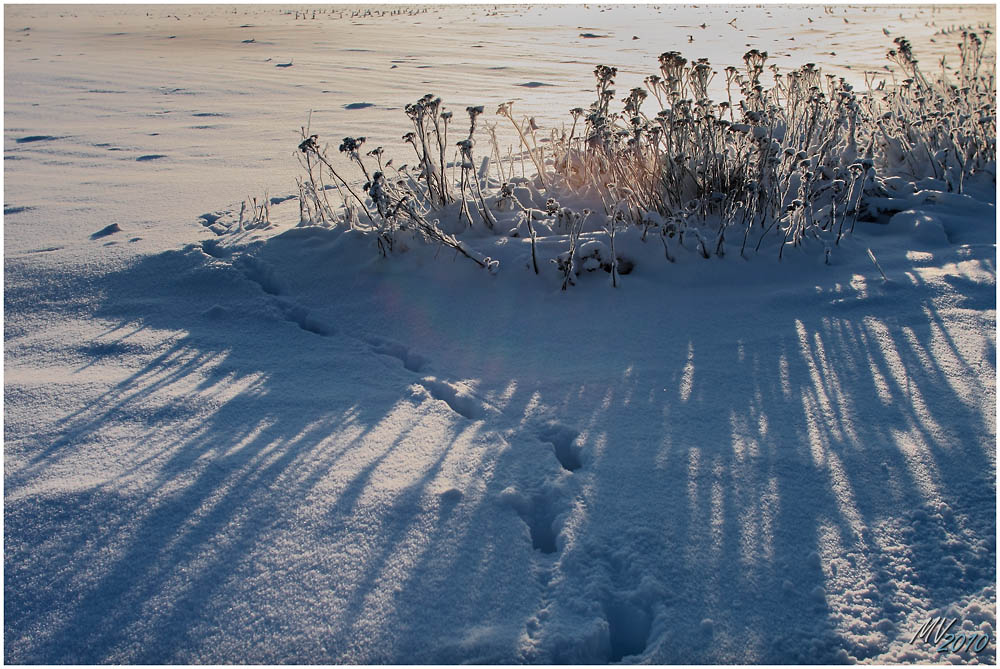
(937, 632)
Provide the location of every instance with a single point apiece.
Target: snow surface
(274, 446)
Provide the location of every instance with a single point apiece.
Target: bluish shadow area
(788, 491)
(147, 567)
(774, 485)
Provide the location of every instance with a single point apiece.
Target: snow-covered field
(276, 446)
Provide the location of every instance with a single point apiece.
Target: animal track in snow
(301, 317)
(213, 248)
(214, 221)
(538, 512)
(260, 273)
(457, 396)
(563, 440)
(628, 628)
(264, 276)
(411, 361)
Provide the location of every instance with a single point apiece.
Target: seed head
(309, 144)
(351, 144)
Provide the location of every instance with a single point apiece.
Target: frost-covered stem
(495, 145)
(574, 235)
(433, 232)
(701, 244)
(428, 164)
(877, 266)
(961, 159)
(464, 209)
(468, 166)
(328, 208)
(484, 210)
(303, 203)
(784, 240)
(614, 257)
(311, 146)
(445, 195)
(531, 233)
(719, 250)
(776, 220)
(746, 232)
(666, 251)
(320, 201)
(357, 158)
(504, 110)
(432, 174)
(847, 207)
(861, 194)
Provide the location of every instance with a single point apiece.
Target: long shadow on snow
(145, 572)
(811, 487)
(828, 467)
(792, 471)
